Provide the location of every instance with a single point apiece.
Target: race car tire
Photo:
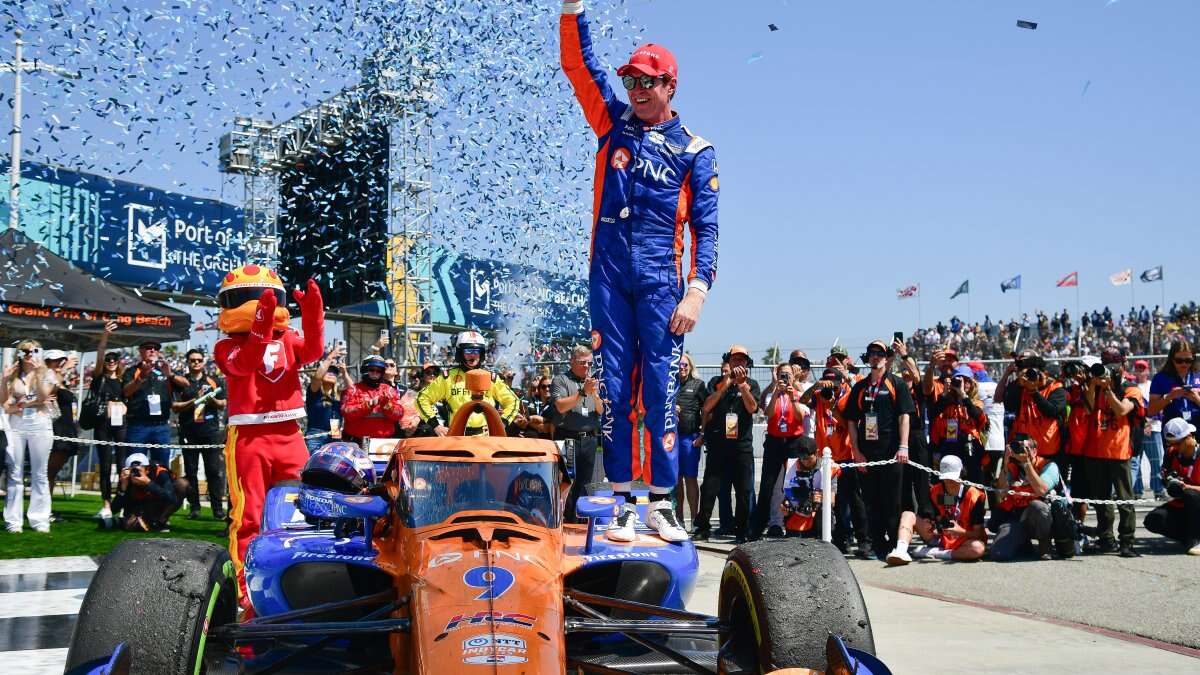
(780, 600)
(160, 597)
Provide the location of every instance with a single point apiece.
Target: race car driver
(261, 359)
(653, 176)
(469, 351)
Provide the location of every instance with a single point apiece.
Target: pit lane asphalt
(988, 614)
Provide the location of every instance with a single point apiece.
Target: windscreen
(434, 491)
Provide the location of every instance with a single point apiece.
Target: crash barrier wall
(827, 476)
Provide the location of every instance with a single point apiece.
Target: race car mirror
(595, 508)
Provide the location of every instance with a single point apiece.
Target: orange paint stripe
(236, 497)
(597, 193)
(587, 92)
(682, 215)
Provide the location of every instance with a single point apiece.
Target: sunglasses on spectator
(1181, 362)
(31, 352)
(647, 81)
(111, 359)
(875, 352)
(390, 364)
(543, 386)
(196, 360)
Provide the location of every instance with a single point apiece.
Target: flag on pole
(1012, 284)
(1071, 279)
(1121, 278)
(908, 292)
(1153, 274)
(964, 287)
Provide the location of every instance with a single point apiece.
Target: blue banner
(492, 295)
(130, 234)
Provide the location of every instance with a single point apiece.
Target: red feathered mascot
(261, 359)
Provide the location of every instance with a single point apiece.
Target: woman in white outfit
(28, 393)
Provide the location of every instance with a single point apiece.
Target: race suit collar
(669, 125)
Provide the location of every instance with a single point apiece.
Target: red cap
(653, 60)
(1141, 363)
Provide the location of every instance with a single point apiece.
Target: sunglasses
(111, 359)
(873, 353)
(543, 386)
(31, 352)
(1181, 362)
(646, 81)
(390, 364)
(199, 360)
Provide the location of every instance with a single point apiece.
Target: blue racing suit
(649, 182)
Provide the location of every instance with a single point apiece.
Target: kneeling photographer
(803, 492)
(953, 527)
(147, 495)
(1021, 518)
(1179, 519)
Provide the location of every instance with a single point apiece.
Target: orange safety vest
(1042, 429)
(1109, 436)
(960, 513)
(1013, 502)
(953, 424)
(1079, 420)
(1189, 474)
(830, 430)
(784, 422)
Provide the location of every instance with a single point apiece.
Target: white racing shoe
(899, 557)
(623, 528)
(661, 518)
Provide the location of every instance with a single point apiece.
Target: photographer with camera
(1179, 519)
(787, 425)
(803, 492)
(952, 528)
(828, 398)
(879, 413)
(147, 389)
(1080, 418)
(1037, 401)
(730, 407)
(958, 421)
(1018, 519)
(1118, 410)
(147, 495)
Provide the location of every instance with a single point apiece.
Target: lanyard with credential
(874, 393)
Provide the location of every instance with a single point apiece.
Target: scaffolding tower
(398, 94)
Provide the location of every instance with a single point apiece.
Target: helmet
(469, 338)
(341, 467)
(372, 361)
(240, 290)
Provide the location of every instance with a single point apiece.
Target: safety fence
(827, 478)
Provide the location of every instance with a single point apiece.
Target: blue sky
(877, 144)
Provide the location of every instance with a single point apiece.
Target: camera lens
(1097, 370)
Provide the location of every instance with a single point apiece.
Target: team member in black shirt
(730, 408)
(200, 406)
(147, 388)
(878, 413)
(107, 416)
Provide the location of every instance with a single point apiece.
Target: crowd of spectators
(1062, 335)
(1080, 428)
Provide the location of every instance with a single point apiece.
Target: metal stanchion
(826, 491)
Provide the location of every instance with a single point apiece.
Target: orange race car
(455, 559)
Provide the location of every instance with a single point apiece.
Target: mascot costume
(261, 358)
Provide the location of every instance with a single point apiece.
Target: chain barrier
(127, 444)
(1052, 495)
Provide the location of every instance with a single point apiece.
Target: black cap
(144, 344)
